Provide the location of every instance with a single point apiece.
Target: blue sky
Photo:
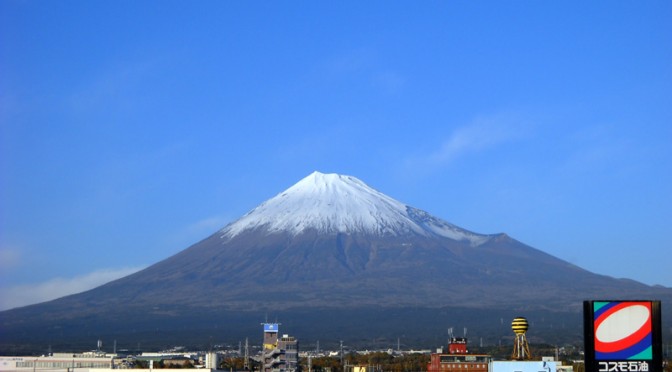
(132, 129)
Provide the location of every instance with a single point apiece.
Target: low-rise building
(60, 363)
(458, 359)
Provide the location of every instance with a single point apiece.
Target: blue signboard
(270, 327)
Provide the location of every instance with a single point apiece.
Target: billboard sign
(271, 327)
(622, 336)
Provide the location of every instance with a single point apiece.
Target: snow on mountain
(334, 203)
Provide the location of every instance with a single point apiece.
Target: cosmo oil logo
(623, 331)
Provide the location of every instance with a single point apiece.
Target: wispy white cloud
(28, 294)
(482, 134)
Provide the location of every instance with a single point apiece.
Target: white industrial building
(85, 363)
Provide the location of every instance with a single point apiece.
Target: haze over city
(131, 130)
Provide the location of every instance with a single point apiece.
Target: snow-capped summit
(334, 203)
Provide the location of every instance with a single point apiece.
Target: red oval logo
(622, 326)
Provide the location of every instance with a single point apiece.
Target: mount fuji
(329, 257)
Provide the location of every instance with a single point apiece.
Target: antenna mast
(246, 365)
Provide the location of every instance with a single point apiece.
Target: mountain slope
(330, 243)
